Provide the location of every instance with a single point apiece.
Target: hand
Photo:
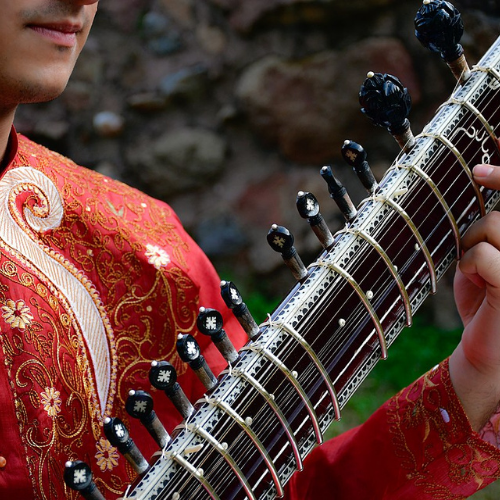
(475, 364)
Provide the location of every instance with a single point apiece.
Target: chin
(40, 92)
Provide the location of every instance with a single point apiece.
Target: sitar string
(362, 307)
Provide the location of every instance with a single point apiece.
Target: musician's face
(40, 41)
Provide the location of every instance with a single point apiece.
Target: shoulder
(70, 177)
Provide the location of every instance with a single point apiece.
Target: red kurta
(417, 446)
(96, 281)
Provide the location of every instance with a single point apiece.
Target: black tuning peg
(139, 405)
(210, 323)
(233, 299)
(281, 240)
(339, 194)
(308, 208)
(387, 103)
(78, 477)
(356, 157)
(189, 351)
(163, 376)
(439, 27)
(117, 434)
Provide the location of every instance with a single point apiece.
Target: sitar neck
(273, 405)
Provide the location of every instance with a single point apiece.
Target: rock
(180, 10)
(220, 236)
(146, 102)
(51, 130)
(212, 39)
(154, 25)
(244, 14)
(309, 107)
(189, 82)
(108, 124)
(124, 13)
(78, 96)
(179, 161)
(165, 45)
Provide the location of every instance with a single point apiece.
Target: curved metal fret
(196, 473)
(319, 365)
(200, 431)
(418, 171)
(483, 69)
(476, 112)
(222, 405)
(427, 255)
(392, 268)
(362, 295)
(277, 410)
(462, 161)
(293, 380)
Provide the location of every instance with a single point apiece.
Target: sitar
(273, 404)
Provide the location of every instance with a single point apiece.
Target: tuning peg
(163, 376)
(339, 194)
(118, 435)
(189, 351)
(78, 477)
(234, 301)
(356, 157)
(439, 28)
(210, 322)
(387, 103)
(281, 240)
(139, 405)
(308, 208)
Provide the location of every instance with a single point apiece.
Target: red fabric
(144, 280)
(419, 445)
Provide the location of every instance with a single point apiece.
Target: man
(96, 280)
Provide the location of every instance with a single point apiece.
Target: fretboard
(273, 405)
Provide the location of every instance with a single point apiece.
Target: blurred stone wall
(227, 108)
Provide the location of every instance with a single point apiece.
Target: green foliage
(415, 351)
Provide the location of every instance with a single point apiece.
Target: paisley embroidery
(43, 210)
(95, 234)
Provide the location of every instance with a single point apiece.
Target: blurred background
(227, 108)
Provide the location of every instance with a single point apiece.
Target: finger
(481, 265)
(486, 230)
(487, 175)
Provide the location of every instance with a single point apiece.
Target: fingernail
(482, 170)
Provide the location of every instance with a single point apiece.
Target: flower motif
(157, 256)
(107, 456)
(17, 314)
(51, 401)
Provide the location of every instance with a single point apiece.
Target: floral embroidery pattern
(17, 314)
(51, 401)
(157, 256)
(107, 456)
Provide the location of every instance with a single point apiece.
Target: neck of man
(6, 121)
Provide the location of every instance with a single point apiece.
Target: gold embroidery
(453, 459)
(51, 401)
(107, 455)
(100, 241)
(157, 257)
(17, 314)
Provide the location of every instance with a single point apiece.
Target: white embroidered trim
(80, 297)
